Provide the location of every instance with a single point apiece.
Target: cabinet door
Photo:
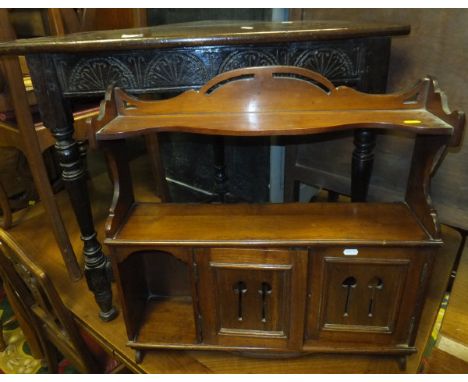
(372, 296)
(252, 297)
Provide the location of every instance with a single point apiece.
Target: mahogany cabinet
(174, 58)
(275, 279)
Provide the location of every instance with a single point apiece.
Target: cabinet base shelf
(168, 320)
(265, 352)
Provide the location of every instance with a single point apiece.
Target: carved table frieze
(178, 69)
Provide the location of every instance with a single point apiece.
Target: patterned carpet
(435, 334)
(17, 359)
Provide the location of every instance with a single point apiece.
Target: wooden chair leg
(157, 167)
(6, 210)
(51, 357)
(29, 331)
(2, 339)
(12, 72)
(121, 369)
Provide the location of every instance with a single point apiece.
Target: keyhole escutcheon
(375, 285)
(348, 283)
(240, 289)
(264, 291)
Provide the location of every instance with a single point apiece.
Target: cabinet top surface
(271, 224)
(202, 33)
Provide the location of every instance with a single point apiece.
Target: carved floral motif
(247, 58)
(331, 63)
(175, 68)
(98, 73)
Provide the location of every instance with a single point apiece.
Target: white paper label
(350, 252)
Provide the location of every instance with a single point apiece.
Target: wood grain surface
(278, 100)
(271, 224)
(112, 335)
(202, 33)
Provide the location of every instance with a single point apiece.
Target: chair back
(53, 322)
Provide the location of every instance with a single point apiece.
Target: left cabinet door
(252, 298)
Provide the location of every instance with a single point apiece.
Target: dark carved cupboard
(276, 279)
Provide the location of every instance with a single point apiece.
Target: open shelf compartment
(159, 302)
(272, 224)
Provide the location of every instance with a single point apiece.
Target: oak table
(176, 57)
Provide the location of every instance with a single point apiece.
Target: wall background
(436, 46)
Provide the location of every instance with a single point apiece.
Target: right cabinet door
(365, 295)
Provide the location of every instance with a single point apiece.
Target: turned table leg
(362, 162)
(97, 267)
(220, 169)
(57, 116)
(402, 364)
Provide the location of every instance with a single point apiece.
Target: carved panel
(175, 69)
(248, 58)
(361, 296)
(98, 73)
(253, 301)
(178, 69)
(331, 63)
(252, 296)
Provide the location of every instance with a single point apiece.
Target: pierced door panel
(252, 297)
(365, 295)
(252, 300)
(362, 295)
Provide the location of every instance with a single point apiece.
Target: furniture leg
(51, 357)
(157, 167)
(139, 356)
(30, 331)
(83, 149)
(2, 339)
(362, 162)
(220, 169)
(33, 153)
(402, 363)
(6, 210)
(291, 185)
(57, 116)
(333, 196)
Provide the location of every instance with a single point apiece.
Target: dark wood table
(176, 57)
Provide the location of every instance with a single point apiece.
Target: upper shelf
(206, 33)
(278, 100)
